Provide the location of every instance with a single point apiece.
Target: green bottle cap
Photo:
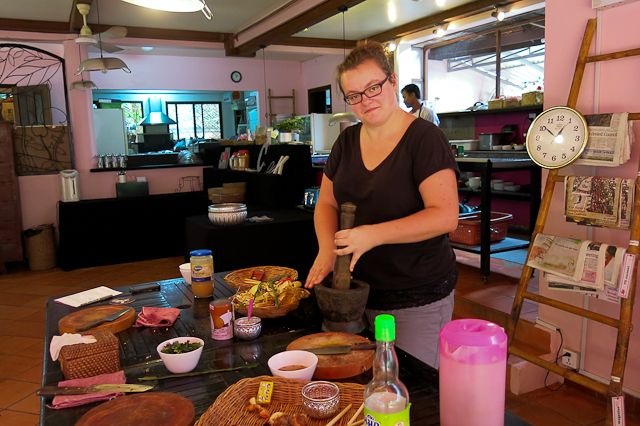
(385, 328)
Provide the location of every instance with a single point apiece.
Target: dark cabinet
(10, 209)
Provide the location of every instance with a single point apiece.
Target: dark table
(289, 240)
(139, 358)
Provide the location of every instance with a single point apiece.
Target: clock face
(236, 76)
(557, 137)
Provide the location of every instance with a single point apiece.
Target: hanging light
(392, 47)
(343, 117)
(101, 64)
(175, 5)
(498, 14)
(439, 32)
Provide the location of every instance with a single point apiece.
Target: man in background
(411, 95)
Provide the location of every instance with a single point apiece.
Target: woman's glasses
(369, 92)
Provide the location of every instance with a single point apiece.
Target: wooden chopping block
(153, 408)
(331, 367)
(69, 323)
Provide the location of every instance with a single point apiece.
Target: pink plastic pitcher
(473, 367)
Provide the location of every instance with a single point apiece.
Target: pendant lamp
(343, 117)
(101, 64)
(175, 5)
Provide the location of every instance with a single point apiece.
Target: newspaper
(610, 140)
(577, 265)
(599, 201)
(608, 294)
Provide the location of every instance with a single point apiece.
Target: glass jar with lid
(202, 273)
(243, 159)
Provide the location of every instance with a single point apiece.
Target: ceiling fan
(87, 38)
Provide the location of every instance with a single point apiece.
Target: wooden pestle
(341, 273)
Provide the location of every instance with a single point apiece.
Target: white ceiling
(364, 20)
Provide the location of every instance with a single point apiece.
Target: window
(132, 113)
(195, 120)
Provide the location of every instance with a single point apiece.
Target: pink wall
(40, 194)
(320, 72)
(617, 89)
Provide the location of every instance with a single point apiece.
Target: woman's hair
(365, 50)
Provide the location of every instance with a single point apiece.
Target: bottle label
(395, 419)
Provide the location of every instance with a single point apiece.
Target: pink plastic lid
(473, 341)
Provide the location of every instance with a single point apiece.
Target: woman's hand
(356, 241)
(320, 269)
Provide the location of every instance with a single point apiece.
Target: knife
(103, 320)
(338, 350)
(79, 390)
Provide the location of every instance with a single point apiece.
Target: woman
(400, 174)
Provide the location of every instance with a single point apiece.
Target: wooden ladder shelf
(623, 324)
(293, 99)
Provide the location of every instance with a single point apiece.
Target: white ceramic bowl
(494, 181)
(185, 270)
(512, 188)
(181, 363)
(286, 358)
(519, 147)
(498, 186)
(506, 147)
(496, 147)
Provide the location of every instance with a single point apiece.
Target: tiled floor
(23, 297)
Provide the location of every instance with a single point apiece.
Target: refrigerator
(111, 134)
(318, 131)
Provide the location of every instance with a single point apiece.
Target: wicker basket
(272, 311)
(230, 406)
(236, 278)
(41, 249)
(468, 231)
(91, 359)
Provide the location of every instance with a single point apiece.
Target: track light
(391, 47)
(498, 14)
(439, 32)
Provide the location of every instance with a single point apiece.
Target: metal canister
(460, 151)
(221, 319)
(122, 177)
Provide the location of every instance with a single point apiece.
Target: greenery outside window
(198, 120)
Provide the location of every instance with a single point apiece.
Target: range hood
(156, 118)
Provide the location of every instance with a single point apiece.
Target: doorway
(320, 100)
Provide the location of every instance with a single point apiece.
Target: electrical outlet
(571, 359)
(532, 116)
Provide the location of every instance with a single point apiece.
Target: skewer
(359, 422)
(336, 418)
(353, 418)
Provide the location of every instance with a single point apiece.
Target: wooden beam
(165, 34)
(293, 26)
(317, 42)
(453, 14)
(34, 26)
(75, 18)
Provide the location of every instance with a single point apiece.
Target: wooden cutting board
(69, 323)
(153, 408)
(332, 367)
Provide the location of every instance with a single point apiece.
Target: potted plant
(287, 127)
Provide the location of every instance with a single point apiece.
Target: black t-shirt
(400, 275)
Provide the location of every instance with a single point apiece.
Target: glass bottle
(386, 399)
(243, 159)
(201, 273)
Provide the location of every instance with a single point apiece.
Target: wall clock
(557, 137)
(236, 76)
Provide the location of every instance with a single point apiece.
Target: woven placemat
(230, 408)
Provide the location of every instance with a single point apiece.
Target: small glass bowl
(321, 400)
(247, 328)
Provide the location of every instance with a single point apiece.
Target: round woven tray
(236, 278)
(270, 311)
(230, 406)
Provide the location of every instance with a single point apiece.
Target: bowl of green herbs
(181, 355)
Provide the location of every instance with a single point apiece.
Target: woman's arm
(439, 216)
(326, 224)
